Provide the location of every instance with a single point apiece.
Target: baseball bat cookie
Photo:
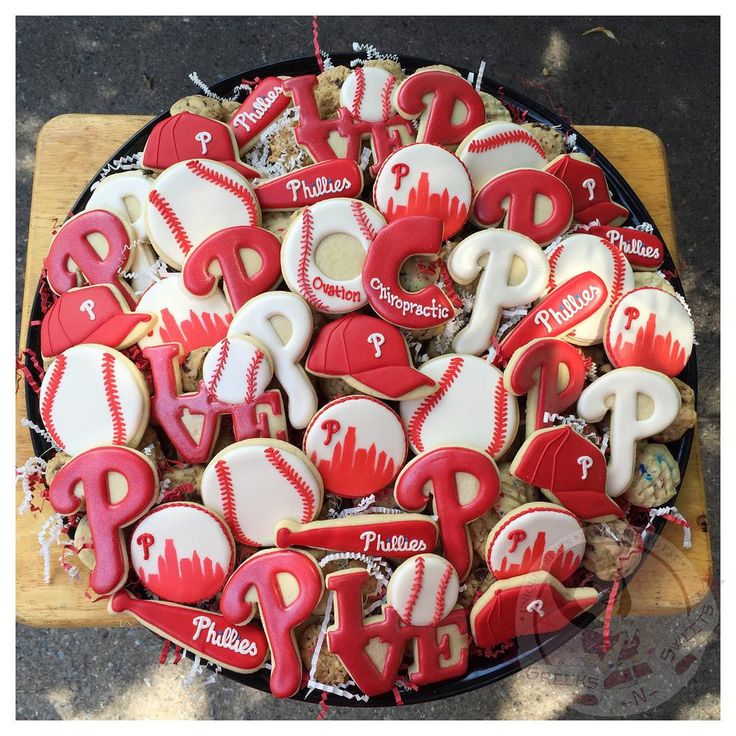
(263, 105)
(643, 250)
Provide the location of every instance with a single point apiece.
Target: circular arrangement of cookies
(359, 379)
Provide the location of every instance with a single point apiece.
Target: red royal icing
(513, 196)
(261, 578)
(262, 106)
(224, 248)
(447, 91)
(435, 472)
(168, 408)
(558, 313)
(92, 469)
(71, 244)
(408, 236)
(642, 250)
(539, 367)
(237, 648)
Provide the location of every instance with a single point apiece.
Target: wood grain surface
(70, 150)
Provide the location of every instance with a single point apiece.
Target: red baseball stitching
(386, 90)
(416, 587)
(439, 601)
(423, 410)
(481, 145)
(227, 494)
(113, 399)
(251, 375)
(368, 231)
(500, 425)
(619, 271)
(229, 185)
(47, 405)
(219, 367)
(553, 258)
(359, 91)
(273, 455)
(305, 254)
(172, 221)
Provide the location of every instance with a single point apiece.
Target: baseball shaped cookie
(423, 590)
(471, 407)
(126, 195)
(366, 92)
(650, 328)
(237, 370)
(357, 443)
(193, 199)
(255, 484)
(424, 179)
(182, 552)
(91, 396)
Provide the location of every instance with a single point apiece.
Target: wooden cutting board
(70, 150)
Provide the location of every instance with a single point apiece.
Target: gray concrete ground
(663, 74)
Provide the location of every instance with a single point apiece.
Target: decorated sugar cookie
(308, 185)
(93, 247)
(193, 199)
(558, 313)
(423, 590)
(208, 634)
(494, 148)
(186, 136)
(192, 420)
(194, 322)
(581, 253)
(323, 252)
(643, 250)
(587, 184)
(464, 485)
(91, 396)
(529, 605)
(126, 195)
(237, 370)
(261, 107)
(92, 314)
(396, 536)
(424, 179)
(408, 236)
(650, 328)
(182, 552)
(513, 271)
(367, 93)
(247, 258)
(551, 373)
(116, 486)
(370, 355)
(535, 536)
(470, 408)
(357, 444)
(282, 322)
(286, 585)
(527, 201)
(641, 402)
(254, 484)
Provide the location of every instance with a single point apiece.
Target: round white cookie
(237, 370)
(367, 92)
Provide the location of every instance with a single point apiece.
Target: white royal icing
(496, 147)
(367, 93)
(256, 318)
(471, 407)
(115, 193)
(496, 255)
(255, 484)
(626, 392)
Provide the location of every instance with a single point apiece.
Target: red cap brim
(393, 381)
(605, 212)
(241, 168)
(115, 330)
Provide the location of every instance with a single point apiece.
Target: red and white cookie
(260, 108)
(255, 484)
(513, 271)
(193, 199)
(424, 179)
(93, 396)
(237, 370)
(650, 328)
(494, 148)
(580, 253)
(367, 92)
(532, 537)
(126, 195)
(471, 408)
(194, 322)
(323, 251)
(358, 445)
(182, 552)
(423, 590)
(643, 250)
